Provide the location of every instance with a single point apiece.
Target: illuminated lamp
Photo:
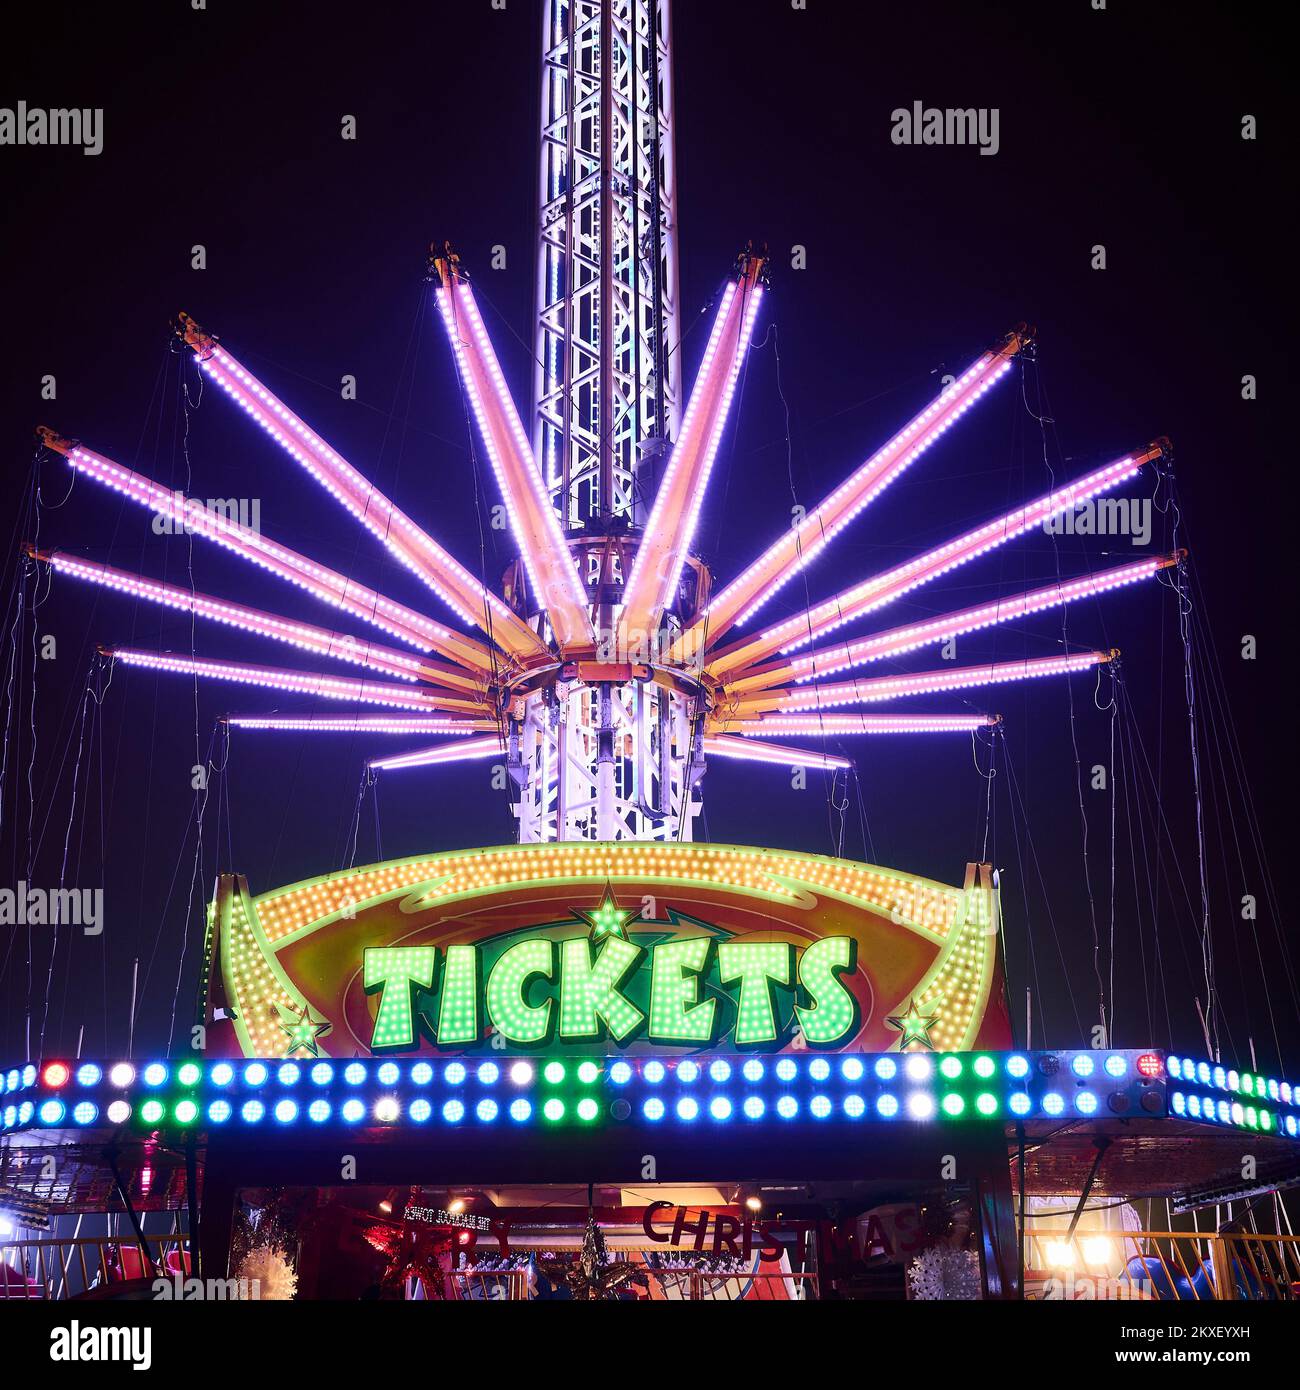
(820, 1107)
(189, 1074)
(920, 1105)
(354, 1074)
(1020, 1103)
(787, 1107)
(854, 1107)
(851, 1069)
(119, 1112)
(986, 1103)
(1179, 1103)
(687, 1108)
(653, 1109)
(786, 1070)
(387, 1075)
(887, 1107)
(1018, 1067)
(653, 1072)
(56, 1074)
(155, 1074)
(1097, 1250)
(587, 1109)
(1053, 1103)
(620, 1073)
(1150, 1066)
(950, 1068)
(453, 1112)
(186, 1112)
(419, 1110)
(554, 1072)
(252, 1111)
(587, 1072)
(983, 1067)
(886, 1068)
(720, 1070)
(520, 1110)
(52, 1112)
(753, 1070)
(754, 1108)
(322, 1074)
(88, 1074)
(1116, 1065)
(255, 1074)
(688, 1072)
(819, 1069)
(353, 1112)
(1086, 1103)
(488, 1073)
(1082, 1065)
(1059, 1253)
(918, 1067)
(222, 1074)
(553, 1110)
(953, 1105)
(521, 1073)
(319, 1111)
(151, 1112)
(487, 1110)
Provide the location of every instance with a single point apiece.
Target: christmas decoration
(944, 1274)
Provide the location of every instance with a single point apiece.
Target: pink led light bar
(296, 682)
(906, 639)
(742, 598)
(471, 748)
(828, 660)
(853, 603)
(874, 689)
(830, 725)
(409, 543)
(749, 750)
(671, 527)
(358, 724)
(338, 646)
(551, 569)
(318, 580)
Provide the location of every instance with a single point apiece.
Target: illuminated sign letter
(507, 1002)
(833, 1013)
(755, 964)
(458, 1008)
(589, 994)
(675, 1014)
(401, 967)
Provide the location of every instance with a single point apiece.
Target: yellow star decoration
(914, 1026)
(302, 1032)
(607, 919)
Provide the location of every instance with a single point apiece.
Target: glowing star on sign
(608, 919)
(302, 1032)
(914, 1026)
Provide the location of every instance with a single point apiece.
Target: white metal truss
(607, 384)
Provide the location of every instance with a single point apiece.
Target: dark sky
(1120, 127)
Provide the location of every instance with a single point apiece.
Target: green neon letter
(589, 994)
(508, 1008)
(833, 1014)
(402, 967)
(675, 1014)
(755, 964)
(458, 1007)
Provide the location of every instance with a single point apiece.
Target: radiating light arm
(871, 594)
(668, 534)
(783, 559)
(358, 724)
(838, 725)
(307, 637)
(462, 751)
(184, 514)
(550, 565)
(465, 595)
(828, 660)
(750, 750)
(865, 690)
(313, 683)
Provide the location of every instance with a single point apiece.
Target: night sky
(222, 127)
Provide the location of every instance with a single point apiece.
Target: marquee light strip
(305, 636)
(742, 598)
(318, 580)
(875, 689)
(861, 599)
(749, 750)
(270, 1094)
(358, 724)
(533, 520)
(829, 725)
(829, 660)
(311, 683)
(670, 529)
(415, 548)
(442, 753)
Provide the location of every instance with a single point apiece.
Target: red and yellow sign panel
(634, 947)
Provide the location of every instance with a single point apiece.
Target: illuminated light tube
(742, 598)
(750, 751)
(877, 689)
(551, 569)
(296, 682)
(459, 752)
(411, 544)
(358, 724)
(305, 636)
(803, 726)
(882, 589)
(905, 639)
(671, 527)
(322, 583)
